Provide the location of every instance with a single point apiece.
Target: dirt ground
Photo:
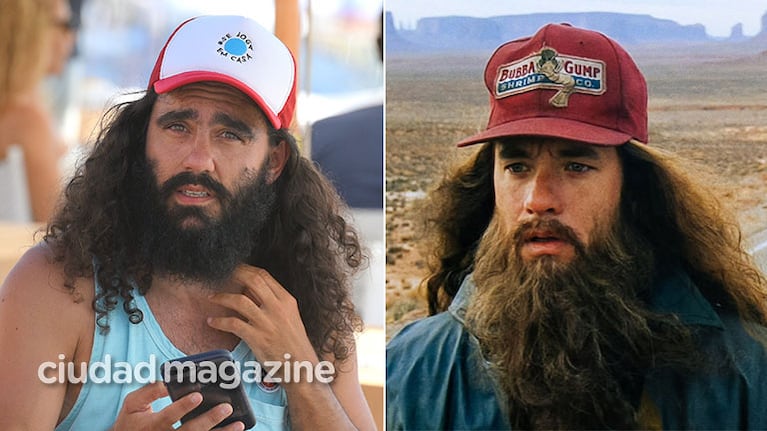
(707, 103)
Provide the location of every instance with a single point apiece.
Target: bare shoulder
(41, 321)
(38, 265)
(36, 292)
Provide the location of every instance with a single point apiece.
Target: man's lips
(544, 242)
(542, 236)
(193, 194)
(194, 189)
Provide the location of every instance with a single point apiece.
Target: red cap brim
(550, 127)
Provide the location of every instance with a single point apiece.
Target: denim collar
(461, 300)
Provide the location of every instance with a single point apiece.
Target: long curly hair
(683, 222)
(307, 244)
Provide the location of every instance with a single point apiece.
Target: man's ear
(278, 158)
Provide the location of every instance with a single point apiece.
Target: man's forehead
(218, 87)
(534, 146)
(213, 91)
(225, 95)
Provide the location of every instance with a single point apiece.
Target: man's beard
(569, 341)
(210, 248)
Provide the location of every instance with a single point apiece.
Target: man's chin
(192, 218)
(560, 251)
(559, 260)
(192, 223)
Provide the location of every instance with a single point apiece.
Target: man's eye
(176, 127)
(231, 135)
(516, 168)
(578, 167)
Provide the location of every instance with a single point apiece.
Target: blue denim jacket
(437, 379)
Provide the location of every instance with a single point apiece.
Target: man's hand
(136, 412)
(270, 322)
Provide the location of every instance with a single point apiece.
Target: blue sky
(717, 15)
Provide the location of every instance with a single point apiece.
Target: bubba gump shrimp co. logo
(550, 70)
(237, 48)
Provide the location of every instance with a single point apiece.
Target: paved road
(758, 248)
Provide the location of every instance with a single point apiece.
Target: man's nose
(543, 194)
(200, 155)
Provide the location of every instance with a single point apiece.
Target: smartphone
(217, 377)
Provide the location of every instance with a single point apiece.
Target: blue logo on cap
(237, 48)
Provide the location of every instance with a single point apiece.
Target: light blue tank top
(97, 404)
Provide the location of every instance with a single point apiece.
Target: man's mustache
(552, 227)
(171, 185)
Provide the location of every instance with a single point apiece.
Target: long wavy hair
(307, 245)
(683, 222)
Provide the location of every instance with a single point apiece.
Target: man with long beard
(580, 279)
(193, 225)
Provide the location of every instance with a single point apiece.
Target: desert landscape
(707, 102)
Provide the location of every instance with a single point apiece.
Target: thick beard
(569, 341)
(210, 250)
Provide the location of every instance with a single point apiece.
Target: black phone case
(212, 393)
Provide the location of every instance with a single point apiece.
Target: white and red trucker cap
(233, 50)
(565, 82)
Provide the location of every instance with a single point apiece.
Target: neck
(190, 294)
(182, 307)
(186, 289)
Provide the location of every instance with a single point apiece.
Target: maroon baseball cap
(565, 82)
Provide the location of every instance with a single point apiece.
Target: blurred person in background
(63, 86)
(36, 39)
(349, 150)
